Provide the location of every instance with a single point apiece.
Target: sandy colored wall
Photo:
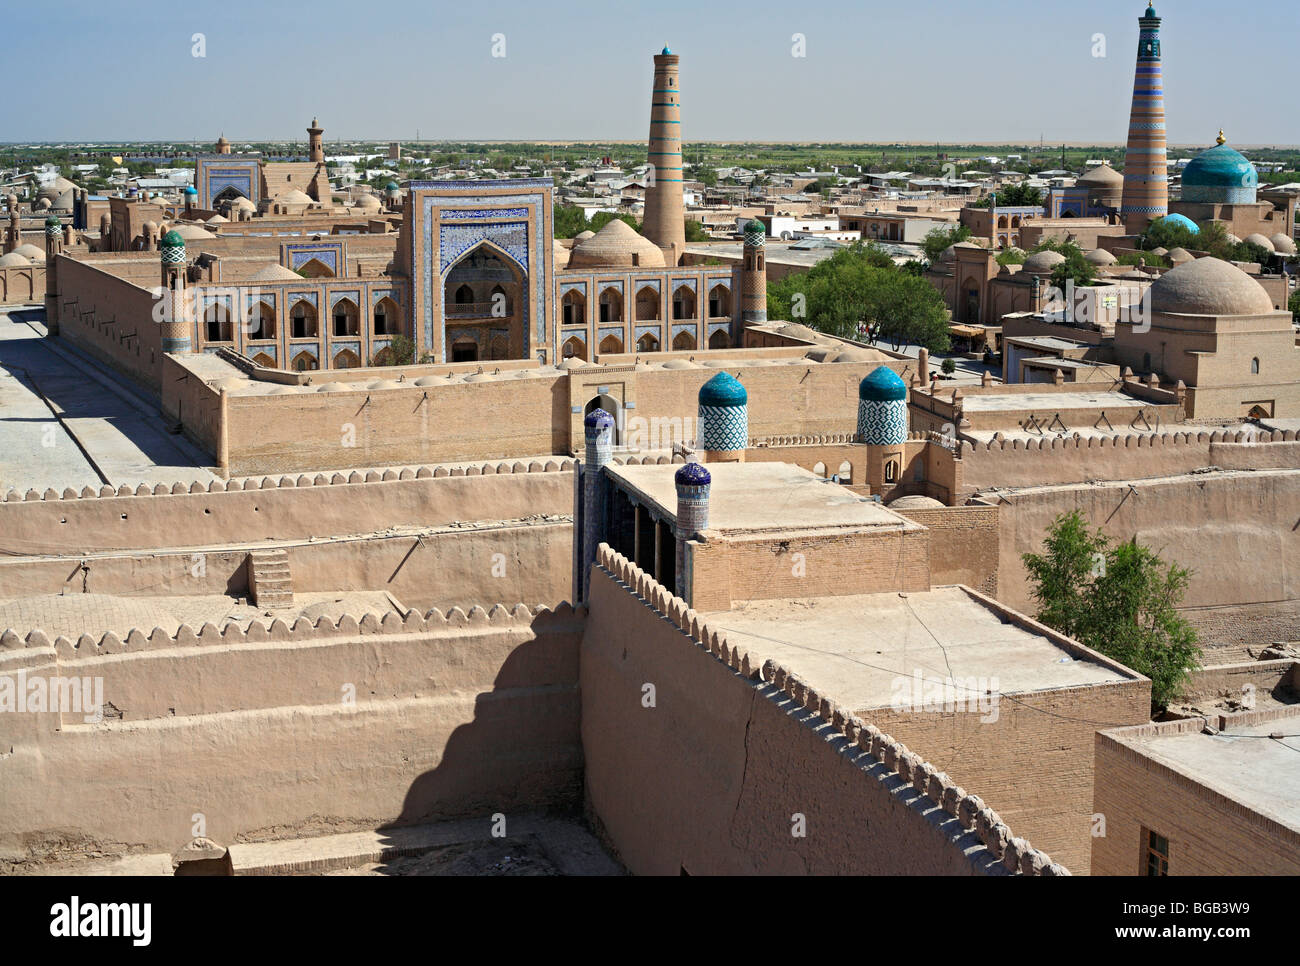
(708, 780)
(193, 403)
(1209, 834)
(1235, 530)
(963, 545)
(1037, 463)
(22, 285)
(815, 565)
(111, 319)
(448, 568)
(1278, 678)
(283, 508)
(463, 715)
(338, 430)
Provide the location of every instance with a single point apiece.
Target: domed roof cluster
(882, 384)
(1262, 241)
(1208, 286)
(1220, 175)
(1100, 257)
(615, 246)
(1283, 244)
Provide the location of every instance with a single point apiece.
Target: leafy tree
(1293, 304)
(937, 240)
(1118, 599)
(1149, 259)
(1018, 196)
(695, 231)
(402, 350)
(948, 366)
(1163, 233)
(1011, 256)
(1075, 268)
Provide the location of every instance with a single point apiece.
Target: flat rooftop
(1242, 762)
(856, 648)
(1055, 401)
(754, 497)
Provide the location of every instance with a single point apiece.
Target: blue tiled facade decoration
(723, 414)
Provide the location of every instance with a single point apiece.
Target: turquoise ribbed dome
(172, 239)
(1177, 219)
(191, 190)
(723, 389)
(1220, 175)
(666, 50)
(882, 385)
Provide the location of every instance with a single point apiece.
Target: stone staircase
(269, 583)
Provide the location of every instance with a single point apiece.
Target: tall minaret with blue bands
(1146, 166)
(665, 209)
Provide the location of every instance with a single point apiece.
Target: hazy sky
(999, 70)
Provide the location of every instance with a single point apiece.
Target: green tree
(1018, 196)
(1075, 268)
(1118, 599)
(948, 366)
(1163, 233)
(695, 231)
(938, 240)
(1293, 304)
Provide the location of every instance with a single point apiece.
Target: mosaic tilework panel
(482, 214)
(455, 240)
(882, 423)
(337, 297)
(723, 428)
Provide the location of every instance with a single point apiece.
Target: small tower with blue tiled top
(176, 330)
(598, 428)
(53, 248)
(692, 482)
(882, 426)
(723, 432)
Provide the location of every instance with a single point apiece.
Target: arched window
(720, 340)
(647, 305)
(217, 323)
(647, 343)
(845, 472)
(891, 471)
(304, 362)
(719, 302)
(315, 268)
(611, 306)
(611, 344)
(575, 348)
(261, 321)
(346, 318)
(1254, 367)
(500, 302)
(684, 303)
(347, 359)
(302, 318)
(683, 341)
(464, 295)
(820, 470)
(573, 308)
(387, 317)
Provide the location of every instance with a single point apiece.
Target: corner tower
(882, 427)
(1146, 168)
(753, 276)
(665, 210)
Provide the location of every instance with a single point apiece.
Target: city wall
(111, 318)
(22, 285)
(731, 758)
(284, 731)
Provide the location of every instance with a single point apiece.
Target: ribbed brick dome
(615, 246)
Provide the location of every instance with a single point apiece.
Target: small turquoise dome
(692, 474)
(598, 417)
(191, 191)
(1151, 10)
(882, 385)
(1220, 175)
(172, 239)
(723, 389)
(52, 222)
(665, 50)
(1177, 219)
(392, 186)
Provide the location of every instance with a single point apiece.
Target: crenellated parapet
(779, 684)
(292, 481)
(278, 630)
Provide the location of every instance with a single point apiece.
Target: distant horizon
(789, 76)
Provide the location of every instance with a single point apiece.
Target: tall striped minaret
(665, 211)
(1146, 167)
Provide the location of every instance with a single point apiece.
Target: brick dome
(616, 245)
(1208, 286)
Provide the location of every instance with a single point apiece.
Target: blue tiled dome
(723, 389)
(598, 417)
(1220, 176)
(692, 474)
(666, 50)
(882, 385)
(191, 191)
(1177, 219)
